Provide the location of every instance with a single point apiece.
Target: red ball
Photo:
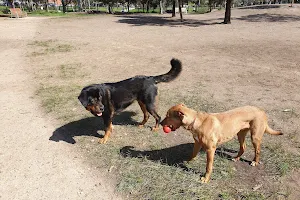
(167, 129)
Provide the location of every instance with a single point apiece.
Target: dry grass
(156, 169)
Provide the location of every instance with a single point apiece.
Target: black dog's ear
(82, 98)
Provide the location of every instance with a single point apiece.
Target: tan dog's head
(175, 117)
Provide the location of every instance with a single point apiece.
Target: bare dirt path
(31, 166)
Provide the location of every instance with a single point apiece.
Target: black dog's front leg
(108, 128)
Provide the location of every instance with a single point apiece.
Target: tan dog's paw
(204, 180)
(191, 159)
(141, 125)
(102, 141)
(154, 129)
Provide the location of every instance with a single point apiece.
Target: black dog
(107, 98)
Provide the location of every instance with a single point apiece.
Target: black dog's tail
(172, 74)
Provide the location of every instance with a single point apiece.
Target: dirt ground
(31, 166)
(253, 61)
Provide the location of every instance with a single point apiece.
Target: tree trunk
(109, 9)
(148, 6)
(63, 2)
(173, 9)
(89, 5)
(180, 12)
(128, 6)
(227, 12)
(46, 6)
(79, 5)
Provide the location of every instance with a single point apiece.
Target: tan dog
(212, 129)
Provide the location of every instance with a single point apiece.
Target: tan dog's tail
(272, 132)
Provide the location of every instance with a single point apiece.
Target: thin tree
(227, 12)
(173, 9)
(128, 4)
(180, 12)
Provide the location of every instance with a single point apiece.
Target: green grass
(201, 10)
(4, 10)
(45, 13)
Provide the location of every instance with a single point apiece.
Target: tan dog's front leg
(210, 154)
(196, 150)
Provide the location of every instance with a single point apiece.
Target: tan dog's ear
(180, 114)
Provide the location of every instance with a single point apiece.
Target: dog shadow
(174, 156)
(89, 127)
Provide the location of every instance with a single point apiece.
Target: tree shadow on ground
(174, 156)
(260, 7)
(269, 18)
(143, 20)
(89, 127)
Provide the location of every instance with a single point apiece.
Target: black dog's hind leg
(145, 112)
(150, 101)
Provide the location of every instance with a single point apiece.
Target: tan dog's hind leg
(196, 150)
(257, 131)
(210, 154)
(241, 137)
(256, 144)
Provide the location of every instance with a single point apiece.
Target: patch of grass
(60, 48)
(278, 161)
(36, 53)
(49, 46)
(144, 179)
(60, 101)
(155, 166)
(52, 13)
(253, 196)
(68, 70)
(45, 43)
(155, 170)
(200, 10)
(194, 100)
(4, 10)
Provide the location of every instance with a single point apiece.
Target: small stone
(257, 187)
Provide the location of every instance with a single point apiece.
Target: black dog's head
(91, 98)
